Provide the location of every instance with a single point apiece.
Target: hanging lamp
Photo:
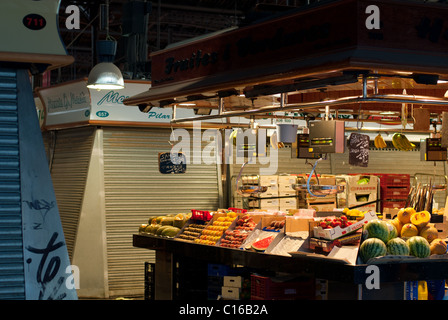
(106, 75)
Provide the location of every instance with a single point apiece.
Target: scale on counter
(431, 150)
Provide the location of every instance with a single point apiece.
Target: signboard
(170, 163)
(34, 25)
(73, 104)
(66, 104)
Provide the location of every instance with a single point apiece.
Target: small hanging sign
(172, 163)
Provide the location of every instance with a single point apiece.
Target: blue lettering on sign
(158, 115)
(102, 114)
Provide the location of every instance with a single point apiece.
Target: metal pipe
(391, 98)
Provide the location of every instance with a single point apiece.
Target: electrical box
(327, 136)
(431, 150)
(301, 148)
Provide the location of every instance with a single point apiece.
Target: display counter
(346, 281)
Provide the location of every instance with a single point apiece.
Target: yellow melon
(409, 230)
(420, 219)
(438, 246)
(397, 224)
(404, 215)
(429, 232)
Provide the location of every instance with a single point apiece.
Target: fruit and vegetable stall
(337, 247)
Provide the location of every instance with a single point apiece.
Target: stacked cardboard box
(326, 203)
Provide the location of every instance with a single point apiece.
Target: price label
(34, 21)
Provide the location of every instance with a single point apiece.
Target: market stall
(104, 163)
(322, 77)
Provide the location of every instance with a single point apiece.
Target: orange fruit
(404, 215)
(420, 219)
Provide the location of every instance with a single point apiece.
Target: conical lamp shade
(105, 75)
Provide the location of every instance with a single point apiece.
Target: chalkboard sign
(359, 149)
(172, 163)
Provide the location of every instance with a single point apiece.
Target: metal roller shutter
(12, 283)
(135, 190)
(69, 168)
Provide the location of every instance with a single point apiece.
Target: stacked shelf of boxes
(394, 191)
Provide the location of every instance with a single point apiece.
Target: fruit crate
(264, 288)
(395, 193)
(394, 204)
(394, 179)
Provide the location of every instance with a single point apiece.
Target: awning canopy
(325, 51)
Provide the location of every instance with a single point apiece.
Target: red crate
(263, 288)
(399, 193)
(200, 215)
(394, 180)
(394, 204)
(237, 210)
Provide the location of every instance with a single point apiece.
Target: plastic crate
(398, 193)
(201, 215)
(394, 204)
(149, 282)
(263, 288)
(394, 180)
(237, 210)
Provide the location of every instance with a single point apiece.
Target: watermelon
(397, 247)
(371, 248)
(419, 247)
(393, 233)
(262, 244)
(376, 229)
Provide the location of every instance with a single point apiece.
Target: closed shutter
(69, 168)
(135, 190)
(12, 284)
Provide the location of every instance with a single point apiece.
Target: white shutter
(69, 168)
(135, 190)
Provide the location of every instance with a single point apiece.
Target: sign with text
(172, 163)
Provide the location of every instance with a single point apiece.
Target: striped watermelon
(371, 248)
(419, 247)
(376, 229)
(397, 247)
(393, 233)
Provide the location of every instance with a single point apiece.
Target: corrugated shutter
(69, 167)
(135, 190)
(12, 285)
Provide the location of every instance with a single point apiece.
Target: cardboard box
(233, 281)
(286, 188)
(322, 206)
(271, 192)
(358, 194)
(334, 233)
(268, 180)
(230, 293)
(269, 203)
(288, 203)
(287, 180)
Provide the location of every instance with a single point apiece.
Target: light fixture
(106, 75)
